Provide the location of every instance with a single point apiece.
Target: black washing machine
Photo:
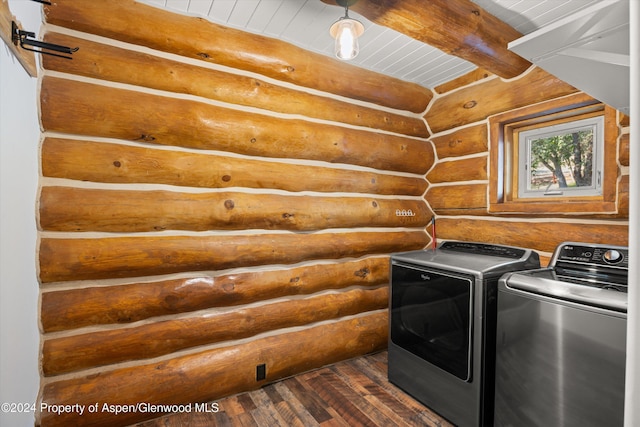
(443, 325)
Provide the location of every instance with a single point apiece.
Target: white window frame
(525, 138)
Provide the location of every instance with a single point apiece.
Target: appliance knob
(612, 256)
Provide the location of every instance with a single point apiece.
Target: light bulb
(346, 32)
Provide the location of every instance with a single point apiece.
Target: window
(564, 159)
(555, 157)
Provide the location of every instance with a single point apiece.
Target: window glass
(561, 160)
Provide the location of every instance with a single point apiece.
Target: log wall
(459, 180)
(202, 212)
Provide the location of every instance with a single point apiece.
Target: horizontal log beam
(197, 38)
(114, 163)
(468, 169)
(457, 27)
(474, 103)
(63, 259)
(112, 63)
(132, 302)
(624, 150)
(212, 374)
(462, 196)
(100, 348)
(462, 142)
(85, 209)
(464, 80)
(69, 106)
(623, 197)
(624, 120)
(543, 236)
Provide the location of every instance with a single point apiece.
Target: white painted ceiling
(306, 23)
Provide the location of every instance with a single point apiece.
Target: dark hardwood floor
(351, 393)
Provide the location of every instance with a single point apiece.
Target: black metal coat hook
(22, 37)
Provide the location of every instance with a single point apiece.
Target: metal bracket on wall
(25, 58)
(22, 37)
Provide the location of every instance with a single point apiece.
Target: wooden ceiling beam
(457, 27)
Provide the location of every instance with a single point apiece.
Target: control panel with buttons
(594, 254)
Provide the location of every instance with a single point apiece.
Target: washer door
(431, 314)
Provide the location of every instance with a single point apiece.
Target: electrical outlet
(261, 372)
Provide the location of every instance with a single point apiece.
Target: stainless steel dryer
(442, 325)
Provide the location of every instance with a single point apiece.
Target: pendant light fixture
(346, 32)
